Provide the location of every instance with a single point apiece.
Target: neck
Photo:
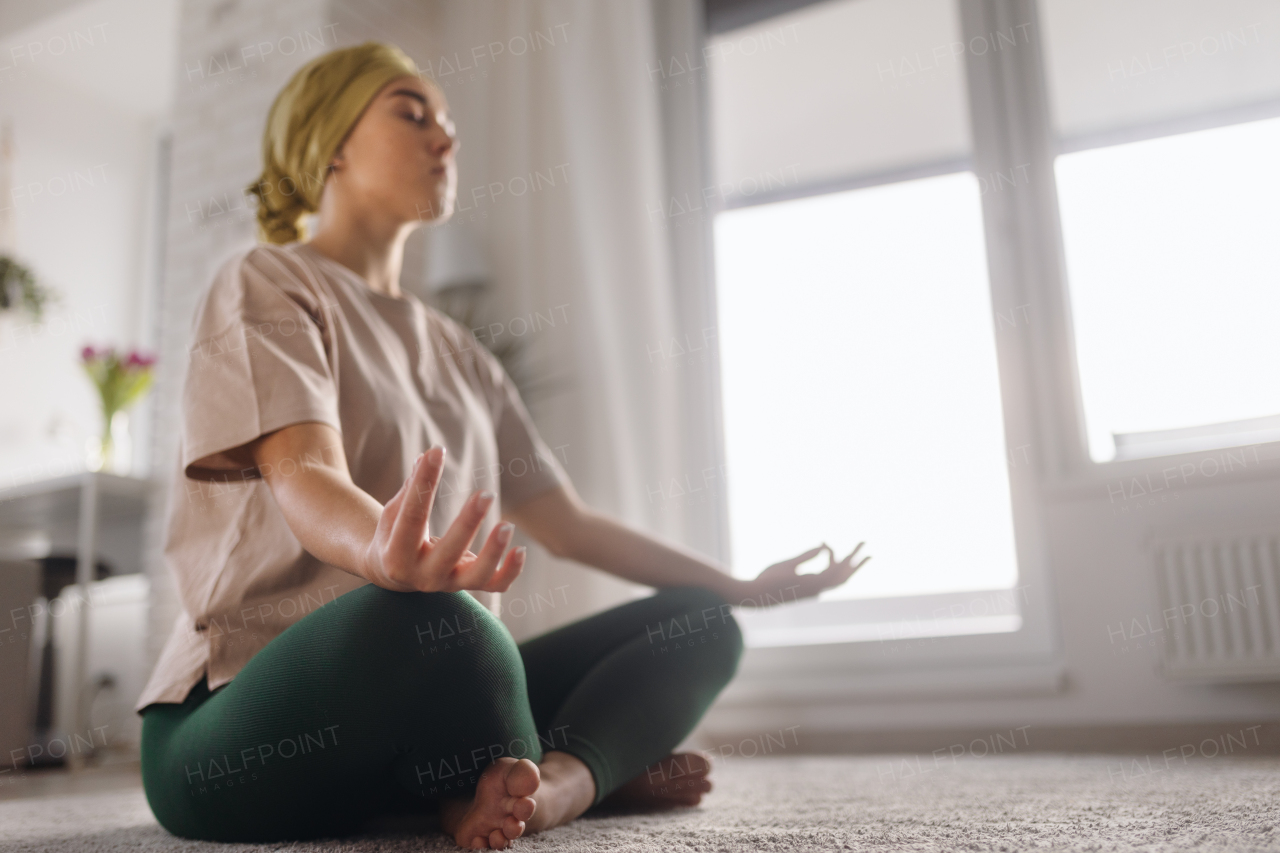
(370, 246)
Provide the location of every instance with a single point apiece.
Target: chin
(436, 208)
(446, 203)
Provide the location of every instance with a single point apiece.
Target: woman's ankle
(568, 789)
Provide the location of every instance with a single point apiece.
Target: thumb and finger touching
(836, 572)
(445, 562)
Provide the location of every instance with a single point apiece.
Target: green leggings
(385, 702)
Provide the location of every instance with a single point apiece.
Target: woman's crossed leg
(381, 702)
(352, 711)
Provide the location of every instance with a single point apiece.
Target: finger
(448, 550)
(511, 568)
(845, 572)
(854, 551)
(410, 526)
(391, 507)
(478, 572)
(807, 555)
(838, 568)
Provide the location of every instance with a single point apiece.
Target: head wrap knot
(308, 120)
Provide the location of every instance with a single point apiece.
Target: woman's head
(359, 128)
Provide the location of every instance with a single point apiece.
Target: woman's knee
(429, 621)
(430, 639)
(694, 598)
(730, 647)
(706, 610)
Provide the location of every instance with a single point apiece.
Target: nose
(443, 142)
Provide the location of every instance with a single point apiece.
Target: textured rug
(916, 803)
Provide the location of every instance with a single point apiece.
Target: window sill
(1160, 444)
(1126, 479)
(759, 685)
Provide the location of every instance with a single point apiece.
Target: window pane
(1173, 258)
(835, 90)
(1114, 64)
(860, 387)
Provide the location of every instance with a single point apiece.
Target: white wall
(82, 183)
(85, 91)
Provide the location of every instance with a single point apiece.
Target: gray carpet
(1000, 803)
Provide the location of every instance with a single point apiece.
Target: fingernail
(505, 530)
(521, 551)
(485, 497)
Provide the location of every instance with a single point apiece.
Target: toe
(523, 778)
(512, 828)
(698, 763)
(523, 808)
(497, 840)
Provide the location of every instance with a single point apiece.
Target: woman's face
(399, 157)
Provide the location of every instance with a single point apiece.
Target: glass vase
(113, 451)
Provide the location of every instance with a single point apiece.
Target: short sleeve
(260, 361)
(529, 467)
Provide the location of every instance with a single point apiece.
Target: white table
(86, 500)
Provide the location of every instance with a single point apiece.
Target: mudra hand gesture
(404, 558)
(781, 582)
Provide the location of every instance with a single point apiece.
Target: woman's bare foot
(567, 790)
(680, 779)
(500, 809)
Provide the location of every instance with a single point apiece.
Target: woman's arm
(565, 526)
(306, 469)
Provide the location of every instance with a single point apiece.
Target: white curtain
(627, 381)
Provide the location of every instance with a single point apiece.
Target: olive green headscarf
(308, 120)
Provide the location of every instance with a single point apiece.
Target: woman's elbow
(563, 538)
(555, 521)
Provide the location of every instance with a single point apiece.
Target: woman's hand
(402, 557)
(781, 582)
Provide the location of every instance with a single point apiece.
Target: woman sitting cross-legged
(333, 661)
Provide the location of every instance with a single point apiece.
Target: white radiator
(1220, 605)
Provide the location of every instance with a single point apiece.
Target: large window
(859, 367)
(1166, 115)
(1173, 253)
(972, 250)
(834, 311)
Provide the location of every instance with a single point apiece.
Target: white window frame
(1002, 85)
(1042, 406)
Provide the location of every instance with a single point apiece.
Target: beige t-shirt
(284, 336)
